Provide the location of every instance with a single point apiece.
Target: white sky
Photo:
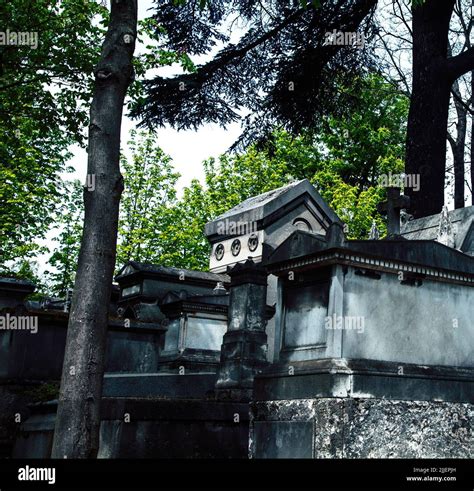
(188, 149)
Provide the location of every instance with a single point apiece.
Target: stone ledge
(149, 409)
(364, 379)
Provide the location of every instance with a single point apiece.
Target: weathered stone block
(362, 428)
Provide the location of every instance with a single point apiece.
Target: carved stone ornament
(235, 247)
(219, 252)
(253, 242)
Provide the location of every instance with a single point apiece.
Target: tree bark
(433, 75)
(458, 147)
(429, 107)
(78, 417)
(472, 137)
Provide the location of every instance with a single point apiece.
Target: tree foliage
(344, 160)
(149, 192)
(44, 91)
(69, 223)
(45, 94)
(282, 69)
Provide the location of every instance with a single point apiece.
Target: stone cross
(395, 202)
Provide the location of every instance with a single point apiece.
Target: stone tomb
(191, 306)
(374, 350)
(391, 300)
(264, 222)
(196, 326)
(259, 224)
(143, 286)
(373, 342)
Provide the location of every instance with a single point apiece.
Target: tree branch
(460, 64)
(466, 105)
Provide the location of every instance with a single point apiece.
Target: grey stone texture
(409, 323)
(143, 286)
(395, 381)
(14, 411)
(426, 228)
(13, 292)
(340, 377)
(195, 327)
(39, 356)
(243, 352)
(413, 298)
(361, 428)
(271, 217)
(392, 207)
(265, 209)
(170, 385)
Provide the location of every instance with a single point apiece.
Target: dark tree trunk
(472, 137)
(458, 147)
(78, 418)
(429, 107)
(433, 75)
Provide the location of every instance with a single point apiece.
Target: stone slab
(151, 428)
(169, 385)
(283, 439)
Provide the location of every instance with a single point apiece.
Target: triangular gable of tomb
(266, 208)
(260, 224)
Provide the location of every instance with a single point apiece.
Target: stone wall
(31, 365)
(361, 428)
(14, 410)
(27, 356)
(374, 315)
(151, 428)
(427, 324)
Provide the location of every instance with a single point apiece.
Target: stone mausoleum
(298, 342)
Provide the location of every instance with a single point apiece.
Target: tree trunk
(458, 147)
(428, 115)
(472, 137)
(78, 418)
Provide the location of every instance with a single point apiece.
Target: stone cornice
(370, 262)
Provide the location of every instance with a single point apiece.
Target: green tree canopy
(343, 158)
(45, 95)
(68, 222)
(45, 88)
(149, 192)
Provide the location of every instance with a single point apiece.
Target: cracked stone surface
(362, 428)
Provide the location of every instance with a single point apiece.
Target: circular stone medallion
(235, 247)
(253, 242)
(219, 252)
